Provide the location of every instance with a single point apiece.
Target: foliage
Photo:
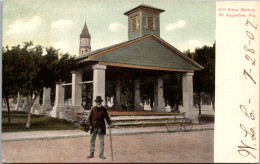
(34, 71)
(172, 90)
(204, 80)
(146, 89)
(87, 96)
(53, 92)
(126, 92)
(110, 90)
(68, 90)
(11, 71)
(11, 74)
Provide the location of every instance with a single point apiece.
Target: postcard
(90, 81)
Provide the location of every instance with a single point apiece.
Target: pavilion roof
(147, 52)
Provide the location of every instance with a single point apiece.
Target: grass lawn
(38, 122)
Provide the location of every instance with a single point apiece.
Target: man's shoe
(90, 156)
(102, 156)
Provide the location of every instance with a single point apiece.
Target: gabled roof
(143, 6)
(148, 51)
(85, 33)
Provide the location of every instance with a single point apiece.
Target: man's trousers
(97, 131)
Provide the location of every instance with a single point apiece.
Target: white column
(118, 96)
(19, 104)
(158, 95)
(76, 88)
(76, 107)
(59, 101)
(187, 93)
(59, 97)
(137, 94)
(99, 74)
(187, 90)
(46, 103)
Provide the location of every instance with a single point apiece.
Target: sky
(185, 25)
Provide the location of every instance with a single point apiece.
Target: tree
(11, 74)
(87, 95)
(172, 90)
(110, 90)
(204, 80)
(37, 71)
(126, 92)
(147, 89)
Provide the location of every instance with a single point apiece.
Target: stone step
(128, 118)
(144, 124)
(143, 121)
(130, 121)
(163, 115)
(146, 114)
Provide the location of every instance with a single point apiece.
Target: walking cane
(111, 142)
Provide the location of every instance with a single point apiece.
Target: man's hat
(98, 99)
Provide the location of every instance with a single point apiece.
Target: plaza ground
(195, 146)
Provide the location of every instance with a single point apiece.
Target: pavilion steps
(159, 114)
(141, 124)
(143, 118)
(143, 121)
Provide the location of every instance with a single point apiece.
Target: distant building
(85, 38)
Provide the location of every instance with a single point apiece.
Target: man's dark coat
(97, 116)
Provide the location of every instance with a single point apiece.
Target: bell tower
(143, 20)
(84, 46)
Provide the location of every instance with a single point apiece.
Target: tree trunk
(29, 112)
(30, 104)
(199, 100)
(8, 109)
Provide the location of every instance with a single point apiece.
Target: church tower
(85, 38)
(143, 20)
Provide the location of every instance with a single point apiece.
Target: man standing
(96, 122)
